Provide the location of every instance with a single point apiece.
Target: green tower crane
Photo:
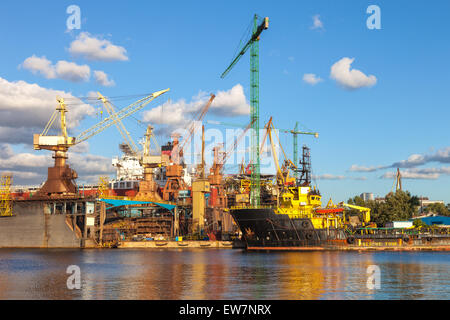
(295, 134)
(253, 44)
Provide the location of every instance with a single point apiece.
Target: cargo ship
(298, 221)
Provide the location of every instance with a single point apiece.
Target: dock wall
(31, 228)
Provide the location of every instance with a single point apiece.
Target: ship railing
(396, 232)
(251, 207)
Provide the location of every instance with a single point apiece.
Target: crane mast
(253, 44)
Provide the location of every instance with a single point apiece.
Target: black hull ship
(297, 221)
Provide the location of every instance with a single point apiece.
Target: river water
(223, 274)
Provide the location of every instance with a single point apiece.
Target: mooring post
(102, 220)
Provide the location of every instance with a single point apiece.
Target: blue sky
(186, 45)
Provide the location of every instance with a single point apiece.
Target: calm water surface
(222, 274)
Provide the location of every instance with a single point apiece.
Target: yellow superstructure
(302, 202)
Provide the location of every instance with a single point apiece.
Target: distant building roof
(436, 220)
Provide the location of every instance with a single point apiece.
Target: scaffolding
(5, 196)
(103, 187)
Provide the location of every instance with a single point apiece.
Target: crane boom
(123, 131)
(230, 150)
(121, 114)
(202, 114)
(255, 37)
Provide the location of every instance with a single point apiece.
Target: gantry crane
(253, 44)
(215, 176)
(148, 189)
(61, 178)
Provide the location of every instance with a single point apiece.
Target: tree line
(398, 206)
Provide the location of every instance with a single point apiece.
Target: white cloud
(39, 65)
(419, 173)
(31, 168)
(72, 72)
(176, 115)
(231, 103)
(24, 160)
(414, 160)
(350, 79)
(317, 23)
(62, 69)
(26, 108)
(102, 79)
(311, 78)
(92, 48)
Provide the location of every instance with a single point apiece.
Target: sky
(378, 97)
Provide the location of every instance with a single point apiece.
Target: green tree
(438, 208)
(398, 206)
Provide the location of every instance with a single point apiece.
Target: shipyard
(293, 157)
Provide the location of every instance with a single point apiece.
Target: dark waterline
(222, 274)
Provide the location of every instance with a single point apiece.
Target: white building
(366, 196)
(399, 224)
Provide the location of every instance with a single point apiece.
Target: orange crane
(61, 178)
(282, 173)
(192, 126)
(174, 171)
(216, 174)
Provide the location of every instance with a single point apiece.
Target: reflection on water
(222, 274)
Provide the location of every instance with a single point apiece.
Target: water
(222, 274)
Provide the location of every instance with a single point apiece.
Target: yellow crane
(282, 173)
(5, 195)
(365, 211)
(147, 187)
(60, 180)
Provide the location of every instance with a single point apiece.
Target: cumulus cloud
(102, 79)
(411, 166)
(65, 70)
(70, 71)
(317, 23)
(311, 79)
(414, 160)
(31, 168)
(178, 114)
(350, 79)
(26, 108)
(39, 65)
(95, 49)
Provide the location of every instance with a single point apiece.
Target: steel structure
(295, 134)
(61, 178)
(253, 45)
(5, 196)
